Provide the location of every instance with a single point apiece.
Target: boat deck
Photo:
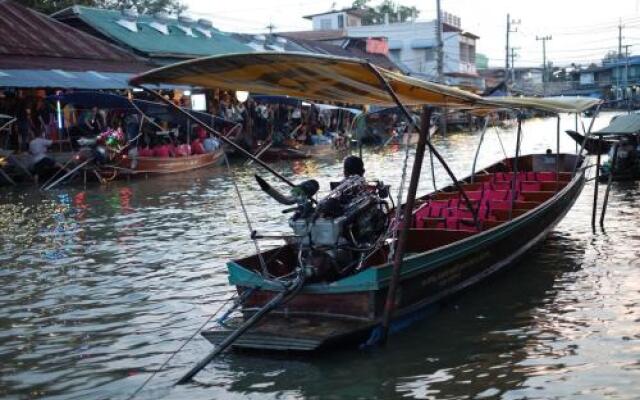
(495, 196)
(292, 334)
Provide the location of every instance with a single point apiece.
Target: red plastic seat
(529, 186)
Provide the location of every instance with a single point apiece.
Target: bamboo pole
(584, 142)
(406, 222)
(558, 154)
(609, 180)
(595, 186)
(435, 152)
(475, 158)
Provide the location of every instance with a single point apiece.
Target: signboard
(377, 46)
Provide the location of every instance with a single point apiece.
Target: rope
(134, 394)
(263, 265)
(395, 224)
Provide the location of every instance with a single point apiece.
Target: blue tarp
(56, 78)
(30, 78)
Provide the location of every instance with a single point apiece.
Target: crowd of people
(281, 121)
(260, 120)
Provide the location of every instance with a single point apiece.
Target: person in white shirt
(40, 160)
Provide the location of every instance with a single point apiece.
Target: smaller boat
(115, 154)
(125, 165)
(624, 156)
(592, 145)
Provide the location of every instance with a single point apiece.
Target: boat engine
(335, 235)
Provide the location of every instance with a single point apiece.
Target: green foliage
(375, 15)
(143, 6)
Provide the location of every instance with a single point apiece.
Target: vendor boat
(355, 267)
(110, 156)
(124, 165)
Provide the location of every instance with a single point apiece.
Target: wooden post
(595, 187)
(558, 154)
(514, 169)
(576, 129)
(406, 223)
(609, 180)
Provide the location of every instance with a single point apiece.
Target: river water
(99, 286)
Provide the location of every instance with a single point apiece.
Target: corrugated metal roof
(29, 39)
(148, 40)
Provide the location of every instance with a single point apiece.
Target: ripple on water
(100, 286)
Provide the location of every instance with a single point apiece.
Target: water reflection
(476, 345)
(141, 266)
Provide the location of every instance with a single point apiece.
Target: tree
(376, 15)
(143, 6)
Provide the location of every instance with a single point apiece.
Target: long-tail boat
(354, 267)
(624, 162)
(592, 145)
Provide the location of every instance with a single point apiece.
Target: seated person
(197, 147)
(41, 162)
(183, 150)
(162, 150)
(211, 144)
(145, 151)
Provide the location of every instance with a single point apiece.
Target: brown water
(99, 286)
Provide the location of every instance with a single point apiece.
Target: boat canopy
(323, 107)
(330, 78)
(569, 104)
(308, 76)
(621, 125)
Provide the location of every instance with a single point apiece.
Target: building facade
(413, 45)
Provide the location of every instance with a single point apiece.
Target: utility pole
(620, 26)
(510, 22)
(626, 92)
(618, 86)
(513, 56)
(440, 65)
(271, 27)
(544, 62)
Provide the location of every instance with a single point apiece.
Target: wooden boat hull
(591, 146)
(283, 153)
(350, 310)
(321, 150)
(166, 165)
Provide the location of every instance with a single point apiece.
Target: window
(464, 53)
(430, 54)
(325, 24)
(340, 21)
(395, 54)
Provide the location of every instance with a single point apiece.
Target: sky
(582, 31)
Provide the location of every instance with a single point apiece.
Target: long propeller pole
(218, 135)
